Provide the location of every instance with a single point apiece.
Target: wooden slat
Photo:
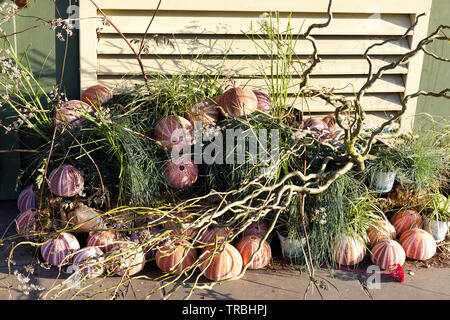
(192, 45)
(382, 6)
(387, 84)
(199, 22)
(111, 65)
(378, 102)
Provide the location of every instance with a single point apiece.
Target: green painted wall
(41, 44)
(435, 74)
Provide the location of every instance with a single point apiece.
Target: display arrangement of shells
(418, 244)
(181, 173)
(175, 255)
(66, 181)
(174, 132)
(224, 264)
(57, 251)
(348, 250)
(26, 199)
(90, 262)
(248, 245)
(97, 94)
(405, 220)
(387, 253)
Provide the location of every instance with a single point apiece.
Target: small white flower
(29, 268)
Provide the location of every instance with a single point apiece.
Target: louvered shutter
(213, 29)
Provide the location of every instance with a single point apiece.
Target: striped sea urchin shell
(174, 132)
(66, 181)
(171, 254)
(222, 234)
(89, 261)
(27, 221)
(405, 220)
(249, 245)
(418, 244)
(258, 228)
(97, 94)
(330, 121)
(56, 250)
(237, 102)
(184, 218)
(316, 125)
(388, 253)
(348, 250)
(264, 102)
(181, 173)
(226, 262)
(71, 112)
(382, 230)
(205, 111)
(104, 240)
(26, 199)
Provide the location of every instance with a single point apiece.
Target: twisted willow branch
(307, 36)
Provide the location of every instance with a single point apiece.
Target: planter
(291, 248)
(438, 229)
(384, 181)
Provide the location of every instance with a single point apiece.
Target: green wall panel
(46, 55)
(435, 73)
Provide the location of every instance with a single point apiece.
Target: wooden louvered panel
(221, 45)
(113, 65)
(199, 22)
(197, 36)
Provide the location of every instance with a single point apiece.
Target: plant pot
(438, 229)
(384, 181)
(291, 248)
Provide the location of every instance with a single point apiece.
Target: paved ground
(274, 284)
